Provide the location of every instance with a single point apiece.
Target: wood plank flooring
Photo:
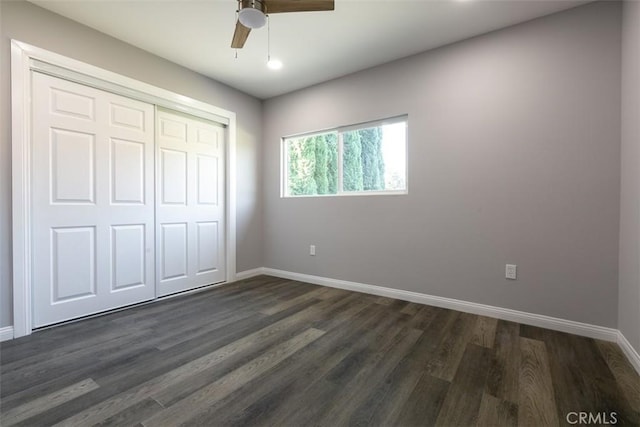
(274, 352)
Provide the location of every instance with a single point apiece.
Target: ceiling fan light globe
(252, 18)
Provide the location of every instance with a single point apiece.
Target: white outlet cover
(511, 271)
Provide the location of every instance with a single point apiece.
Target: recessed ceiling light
(274, 64)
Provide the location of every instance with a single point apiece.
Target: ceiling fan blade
(282, 6)
(240, 36)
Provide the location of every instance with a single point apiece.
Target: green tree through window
(352, 162)
(373, 159)
(313, 165)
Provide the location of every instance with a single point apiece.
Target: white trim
(24, 58)
(79, 72)
(563, 325)
(248, 274)
(339, 131)
(20, 203)
(629, 351)
(230, 201)
(350, 194)
(354, 126)
(340, 166)
(6, 333)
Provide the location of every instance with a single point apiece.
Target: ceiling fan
(252, 14)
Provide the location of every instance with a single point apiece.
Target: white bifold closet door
(190, 214)
(92, 200)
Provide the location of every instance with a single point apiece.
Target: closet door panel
(92, 200)
(190, 208)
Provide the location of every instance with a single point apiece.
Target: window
(364, 159)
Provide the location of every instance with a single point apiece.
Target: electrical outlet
(312, 250)
(511, 271)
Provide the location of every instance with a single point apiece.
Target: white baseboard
(247, 274)
(562, 325)
(629, 351)
(554, 323)
(6, 333)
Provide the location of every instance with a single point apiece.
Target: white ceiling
(314, 46)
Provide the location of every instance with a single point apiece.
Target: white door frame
(24, 59)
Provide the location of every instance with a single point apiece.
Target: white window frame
(284, 161)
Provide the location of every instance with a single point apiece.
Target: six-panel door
(99, 234)
(92, 200)
(190, 202)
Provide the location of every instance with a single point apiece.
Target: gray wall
(514, 157)
(31, 24)
(629, 292)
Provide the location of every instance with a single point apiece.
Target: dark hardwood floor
(268, 351)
